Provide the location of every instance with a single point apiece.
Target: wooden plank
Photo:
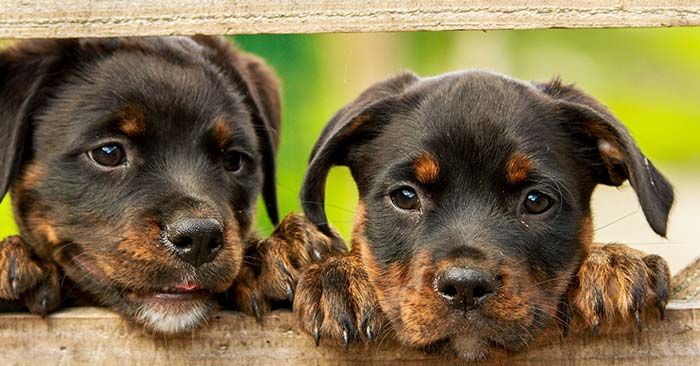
(100, 18)
(95, 336)
(686, 284)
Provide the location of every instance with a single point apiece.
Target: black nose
(465, 288)
(195, 240)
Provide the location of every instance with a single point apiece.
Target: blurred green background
(649, 77)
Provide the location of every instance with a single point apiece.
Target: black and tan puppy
(473, 231)
(134, 167)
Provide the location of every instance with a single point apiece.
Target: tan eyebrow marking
(222, 132)
(133, 121)
(518, 168)
(426, 168)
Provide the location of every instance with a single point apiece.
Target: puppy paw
(272, 266)
(335, 301)
(617, 283)
(25, 278)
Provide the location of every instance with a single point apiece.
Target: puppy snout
(195, 240)
(465, 288)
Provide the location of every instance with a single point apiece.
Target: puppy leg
(272, 266)
(616, 282)
(335, 300)
(26, 278)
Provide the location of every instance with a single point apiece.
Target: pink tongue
(188, 286)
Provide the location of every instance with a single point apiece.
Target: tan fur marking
(32, 175)
(44, 228)
(222, 132)
(426, 168)
(133, 121)
(358, 226)
(517, 168)
(357, 123)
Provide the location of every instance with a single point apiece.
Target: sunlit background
(650, 78)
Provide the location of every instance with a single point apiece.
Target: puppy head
(475, 193)
(136, 165)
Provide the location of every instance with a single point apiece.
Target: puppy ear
(23, 71)
(614, 154)
(264, 101)
(355, 123)
(261, 91)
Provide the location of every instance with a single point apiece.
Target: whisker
(616, 221)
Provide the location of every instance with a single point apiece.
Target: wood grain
(686, 284)
(95, 336)
(100, 18)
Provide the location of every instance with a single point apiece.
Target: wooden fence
(97, 18)
(92, 336)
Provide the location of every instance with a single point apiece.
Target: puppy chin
(172, 318)
(469, 347)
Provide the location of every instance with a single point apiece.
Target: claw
(256, 309)
(596, 327)
(598, 311)
(317, 336)
(11, 277)
(346, 340)
(566, 319)
(638, 320)
(368, 333)
(44, 307)
(15, 289)
(662, 310)
(290, 292)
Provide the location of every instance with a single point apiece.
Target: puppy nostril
(480, 292)
(450, 291)
(184, 243)
(214, 244)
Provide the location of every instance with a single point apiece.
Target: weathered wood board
(95, 336)
(100, 18)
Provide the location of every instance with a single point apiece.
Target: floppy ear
(358, 121)
(261, 91)
(23, 72)
(615, 155)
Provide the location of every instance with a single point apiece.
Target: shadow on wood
(94, 336)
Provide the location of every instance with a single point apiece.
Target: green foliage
(649, 77)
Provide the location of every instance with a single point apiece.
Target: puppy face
(475, 193)
(136, 165)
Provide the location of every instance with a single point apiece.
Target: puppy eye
(109, 155)
(233, 161)
(537, 202)
(405, 198)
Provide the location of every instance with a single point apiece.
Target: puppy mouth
(177, 294)
(183, 292)
(172, 307)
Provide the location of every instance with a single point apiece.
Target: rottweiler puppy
(473, 231)
(134, 166)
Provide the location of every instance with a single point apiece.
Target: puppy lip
(192, 295)
(183, 291)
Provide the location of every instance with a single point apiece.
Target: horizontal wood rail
(95, 336)
(101, 18)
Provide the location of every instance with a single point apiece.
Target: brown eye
(405, 198)
(233, 161)
(109, 155)
(537, 202)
